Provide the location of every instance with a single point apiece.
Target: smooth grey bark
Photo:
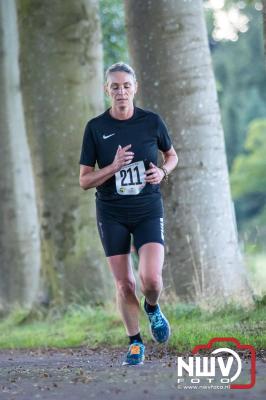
(61, 64)
(264, 27)
(19, 226)
(169, 48)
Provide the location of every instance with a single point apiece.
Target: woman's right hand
(122, 157)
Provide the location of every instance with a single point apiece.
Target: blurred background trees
(248, 180)
(241, 81)
(176, 79)
(61, 69)
(19, 224)
(54, 256)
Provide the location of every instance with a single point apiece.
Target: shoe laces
(156, 319)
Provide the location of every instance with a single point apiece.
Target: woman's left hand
(154, 175)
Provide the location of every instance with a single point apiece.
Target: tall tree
(169, 49)
(264, 26)
(19, 227)
(61, 64)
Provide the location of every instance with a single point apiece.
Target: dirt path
(77, 374)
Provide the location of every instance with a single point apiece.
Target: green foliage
(103, 326)
(256, 267)
(249, 168)
(252, 231)
(114, 34)
(113, 30)
(17, 317)
(240, 74)
(248, 182)
(241, 86)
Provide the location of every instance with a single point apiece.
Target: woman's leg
(151, 259)
(115, 238)
(127, 300)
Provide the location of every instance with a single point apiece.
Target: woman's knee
(151, 283)
(126, 288)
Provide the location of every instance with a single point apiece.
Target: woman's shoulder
(99, 117)
(97, 120)
(149, 114)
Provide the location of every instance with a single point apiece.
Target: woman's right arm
(89, 178)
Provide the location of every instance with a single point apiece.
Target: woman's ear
(106, 89)
(136, 87)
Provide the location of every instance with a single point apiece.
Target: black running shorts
(116, 222)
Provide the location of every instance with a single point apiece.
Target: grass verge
(79, 326)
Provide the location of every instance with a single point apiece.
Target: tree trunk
(169, 49)
(19, 227)
(61, 62)
(264, 27)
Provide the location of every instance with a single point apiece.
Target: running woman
(124, 142)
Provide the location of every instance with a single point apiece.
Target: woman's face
(121, 87)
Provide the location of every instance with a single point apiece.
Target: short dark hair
(120, 66)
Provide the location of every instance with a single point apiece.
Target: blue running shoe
(135, 354)
(159, 326)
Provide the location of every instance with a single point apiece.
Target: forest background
(235, 34)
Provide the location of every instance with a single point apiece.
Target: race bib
(131, 178)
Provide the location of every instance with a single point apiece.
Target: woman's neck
(122, 112)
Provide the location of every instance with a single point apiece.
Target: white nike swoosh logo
(107, 136)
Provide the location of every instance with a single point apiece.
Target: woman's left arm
(155, 175)
(170, 160)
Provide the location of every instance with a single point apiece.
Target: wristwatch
(165, 178)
